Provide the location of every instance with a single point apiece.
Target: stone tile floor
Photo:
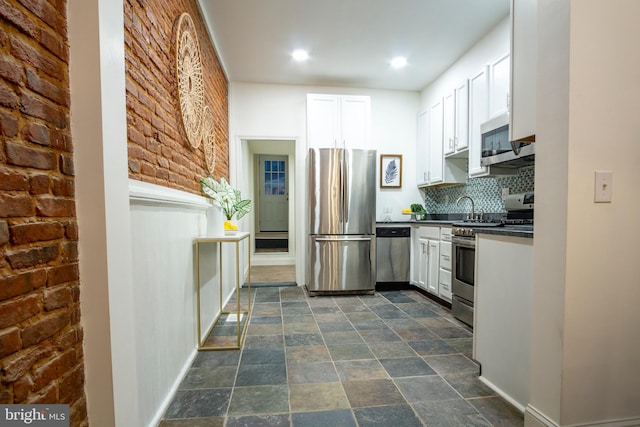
(391, 359)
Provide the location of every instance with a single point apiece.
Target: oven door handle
(464, 243)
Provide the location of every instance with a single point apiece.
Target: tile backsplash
(485, 192)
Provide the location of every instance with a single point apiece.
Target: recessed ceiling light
(300, 55)
(399, 62)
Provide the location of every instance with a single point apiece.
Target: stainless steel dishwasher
(393, 253)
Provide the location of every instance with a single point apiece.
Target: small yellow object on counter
(228, 225)
(406, 211)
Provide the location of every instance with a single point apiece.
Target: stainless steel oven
(463, 269)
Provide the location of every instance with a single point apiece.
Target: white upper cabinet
(436, 159)
(524, 51)
(422, 153)
(478, 114)
(338, 121)
(456, 121)
(499, 86)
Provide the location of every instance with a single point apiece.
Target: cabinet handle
(447, 257)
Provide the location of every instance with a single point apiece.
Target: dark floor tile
(372, 300)
(301, 355)
(336, 418)
(435, 322)
(416, 310)
(317, 397)
(498, 412)
(292, 294)
(431, 347)
(415, 334)
(451, 364)
(350, 352)
(198, 378)
(194, 422)
(324, 309)
(372, 393)
(298, 318)
(264, 329)
(356, 370)
(275, 420)
(386, 416)
(403, 323)
(267, 297)
(366, 325)
(266, 309)
(380, 335)
(362, 316)
(388, 311)
(295, 307)
(397, 297)
(342, 337)
(199, 403)
(384, 351)
(450, 413)
(264, 342)
(301, 328)
(407, 367)
(335, 326)
(261, 320)
(254, 375)
(262, 357)
(224, 331)
(452, 332)
(331, 317)
(463, 345)
(294, 340)
(212, 359)
(308, 373)
(426, 388)
(469, 385)
(271, 399)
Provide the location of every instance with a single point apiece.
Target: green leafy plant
(417, 208)
(226, 197)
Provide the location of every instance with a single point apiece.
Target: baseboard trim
(535, 418)
(503, 395)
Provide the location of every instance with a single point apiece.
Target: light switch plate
(603, 186)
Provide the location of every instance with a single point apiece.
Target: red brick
(8, 97)
(57, 297)
(36, 133)
(60, 140)
(47, 395)
(44, 328)
(36, 232)
(19, 284)
(70, 252)
(47, 12)
(66, 164)
(134, 166)
(39, 184)
(11, 70)
(42, 86)
(31, 257)
(8, 125)
(16, 205)
(62, 274)
(70, 385)
(9, 341)
(71, 231)
(4, 232)
(54, 369)
(34, 106)
(55, 207)
(64, 187)
(21, 388)
(32, 157)
(68, 338)
(38, 59)
(18, 19)
(18, 310)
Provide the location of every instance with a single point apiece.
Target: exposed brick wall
(41, 358)
(158, 148)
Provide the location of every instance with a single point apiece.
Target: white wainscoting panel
(164, 223)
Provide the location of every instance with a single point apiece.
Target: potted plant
(418, 210)
(227, 198)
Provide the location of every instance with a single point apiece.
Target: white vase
(215, 221)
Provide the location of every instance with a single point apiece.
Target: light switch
(603, 186)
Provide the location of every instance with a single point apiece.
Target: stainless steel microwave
(498, 150)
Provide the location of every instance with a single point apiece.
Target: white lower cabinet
(444, 281)
(427, 261)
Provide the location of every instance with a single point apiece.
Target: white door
(274, 193)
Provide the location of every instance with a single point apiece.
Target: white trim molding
(145, 193)
(535, 418)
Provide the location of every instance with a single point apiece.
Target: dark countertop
(509, 230)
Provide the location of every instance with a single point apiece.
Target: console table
(220, 241)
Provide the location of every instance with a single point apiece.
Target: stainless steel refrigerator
(342, 210)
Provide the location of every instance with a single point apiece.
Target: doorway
(272, 228)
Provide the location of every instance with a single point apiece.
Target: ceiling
(350, 42)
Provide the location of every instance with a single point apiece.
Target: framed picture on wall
(390, 170)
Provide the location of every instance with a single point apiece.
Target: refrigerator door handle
(343, 239)
(345, 186)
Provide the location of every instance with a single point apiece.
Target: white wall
(259, 111)
(492, 46)
(585, 342)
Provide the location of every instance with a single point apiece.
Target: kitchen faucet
(473, 208)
